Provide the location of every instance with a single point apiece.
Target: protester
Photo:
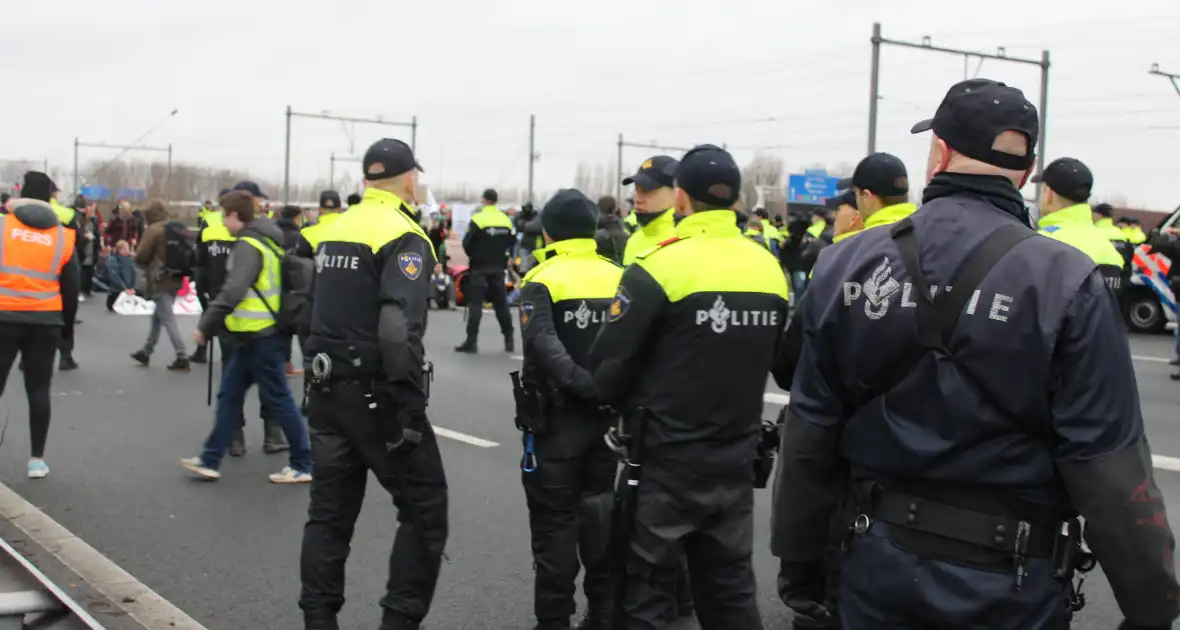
(161, 288)
(120, 268)
(122, 226)
(89, 242)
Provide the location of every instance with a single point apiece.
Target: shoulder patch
(661, 245)
(526, 313)
(410, 264)
(618, 308)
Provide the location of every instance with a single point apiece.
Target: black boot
(593, 621)
(468, 347)
(273, 439)
(67, 362)
(320, 620)
(199, 356)
(237, 447)
(552, 625)
(394, 621)
(509, 345)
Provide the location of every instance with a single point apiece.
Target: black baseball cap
(388, 158)
(846, 198)
(883, 174)
(656, 172)
(709, 174)
(1069, 178)
(976, 111)
(1105, 209)
(251, 188)
(330, 199)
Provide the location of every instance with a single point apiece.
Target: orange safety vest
(31, 261)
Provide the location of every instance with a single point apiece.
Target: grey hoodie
(39, 214)
(245, 263)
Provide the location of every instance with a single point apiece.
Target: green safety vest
(215, 229)
(64, 214)
(1075, 226)
(254, 312)
(631, 222)
(885, 216)
(573, 270)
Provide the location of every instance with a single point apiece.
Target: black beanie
(569, 214)
(37, 185)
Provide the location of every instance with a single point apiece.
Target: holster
(764, 455)
(534, 406)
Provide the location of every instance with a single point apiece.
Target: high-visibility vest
(253, 314)
(31, 261)
(64, 214)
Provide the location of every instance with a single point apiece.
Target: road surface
(227, 553)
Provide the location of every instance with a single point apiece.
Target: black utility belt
(1034, 538)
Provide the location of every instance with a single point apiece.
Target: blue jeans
(260, 360)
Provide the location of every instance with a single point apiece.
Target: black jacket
(611, 239)
(1168, 245)
(290, 233)
(489, 240)
(1039, 401)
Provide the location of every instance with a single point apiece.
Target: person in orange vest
(39, 283)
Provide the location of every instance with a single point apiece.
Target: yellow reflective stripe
(491, 216)
(255, 309)
(573, 270)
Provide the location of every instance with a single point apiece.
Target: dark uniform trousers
(713, 527)
(481, 285)
(570, 495)
(346, 443)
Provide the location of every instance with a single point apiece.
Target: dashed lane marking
(464, 438)
(130, 595)
(776, 398)
(1164, 462)
(1142, 357)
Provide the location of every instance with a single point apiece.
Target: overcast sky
(750, 73)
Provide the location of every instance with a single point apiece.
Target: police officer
(1067, 217)
(1103, 215)
(708, 297)
(206, 209)
(367, 401)
(655, 219)
(69, 220)
(975, 425)
(39, 284)
(568, 472)
(488, 243)
(214, 243)
(330, 212)
(881, 186)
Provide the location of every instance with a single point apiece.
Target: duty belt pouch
(531, 406)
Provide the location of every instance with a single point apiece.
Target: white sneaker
(194, 465)
(38, 469)
(289, 475)
(81, 298)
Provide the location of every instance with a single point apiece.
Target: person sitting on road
(120, 273)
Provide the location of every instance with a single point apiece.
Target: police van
(1151, 303)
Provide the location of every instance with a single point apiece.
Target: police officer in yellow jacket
(367, 396)
(1067, 217)
(488, 242)
(69, 219)
(1103, 220)
(213, 245)
(881, 186)
(567, 470)
(310, 236)
(685, 353)
(654, 217)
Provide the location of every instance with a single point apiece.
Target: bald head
(945, 159)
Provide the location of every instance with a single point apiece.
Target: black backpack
(180, 251)
(295, 274)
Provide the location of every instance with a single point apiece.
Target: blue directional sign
(811, 187)
(95, 191)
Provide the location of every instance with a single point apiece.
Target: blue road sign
(811, 187)
(96, 192)
(131, 194)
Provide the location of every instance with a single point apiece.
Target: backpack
(295, 274)
(180, 251)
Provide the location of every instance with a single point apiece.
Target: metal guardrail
(29, 599)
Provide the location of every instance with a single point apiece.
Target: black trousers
(346, 443)
(87, 279)
(37, 346)
(570, 495)
(714, 529)
(481, 285)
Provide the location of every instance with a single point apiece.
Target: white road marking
(1166, 463)
(1141, 357)
(776, 398)
(463, 437)
(127, 593)
(517, 357)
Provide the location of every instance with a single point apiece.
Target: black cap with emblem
(656, 172)
(975, 112)
(846, 198)
(1069, 178)
(388, 158)
(882, 174)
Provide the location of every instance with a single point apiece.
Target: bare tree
(763, 170)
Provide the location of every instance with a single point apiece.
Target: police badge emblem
(410, 264)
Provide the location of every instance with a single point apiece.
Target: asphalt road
(227, 552)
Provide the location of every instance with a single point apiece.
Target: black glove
(409, 406)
